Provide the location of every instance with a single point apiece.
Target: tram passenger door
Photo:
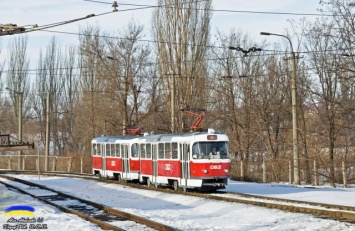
(155, 163)
(104, 164)
(184, 150)
(125, 161)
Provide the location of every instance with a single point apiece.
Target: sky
(185, 212)
(43, 12)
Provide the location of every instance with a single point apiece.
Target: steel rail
(111, 211)
(329, 211)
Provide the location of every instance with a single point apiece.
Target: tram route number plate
(216, 166)
(167, 167)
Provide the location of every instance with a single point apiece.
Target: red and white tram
(183, 160)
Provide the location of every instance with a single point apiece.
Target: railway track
(322, 210)
(98, 214)
(329, 211)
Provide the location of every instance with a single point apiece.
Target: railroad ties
(103, 216)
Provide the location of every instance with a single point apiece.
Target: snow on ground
(52, 217)
(186, 212)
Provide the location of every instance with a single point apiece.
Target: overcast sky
(44, 12)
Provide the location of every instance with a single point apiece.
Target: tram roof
(113, 138)
(155, 138)
(169, 137)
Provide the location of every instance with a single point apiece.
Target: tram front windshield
(210, 150)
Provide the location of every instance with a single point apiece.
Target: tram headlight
(226, 170)
(205, 171)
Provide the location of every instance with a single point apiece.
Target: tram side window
(149, 151)
(134, 150)
(168, 151)
(108, 149)
(117, 150)
(98, 150)
(93, 149)
(196, 151)
(143, 151)
(161, 151)
(174, 148)
(113, 151)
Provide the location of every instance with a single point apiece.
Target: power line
(142, 7)
(183, 44)
(223, 10)
(140, 40)
(10, 29)
(137, 76)
(272, 53)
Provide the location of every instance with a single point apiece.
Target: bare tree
(272, 107)
(130, 61)
(17, 78)
(325, 93)
(50, 82)
(234, 76)
(91, 50)
(182, 31)
(69, 103)
(3, 120)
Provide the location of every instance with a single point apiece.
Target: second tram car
(197, 160)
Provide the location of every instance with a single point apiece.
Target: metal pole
(47, 134)
(172, 88)
(296, 170)
(20, 127)
(124, 117)
(39, 166)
